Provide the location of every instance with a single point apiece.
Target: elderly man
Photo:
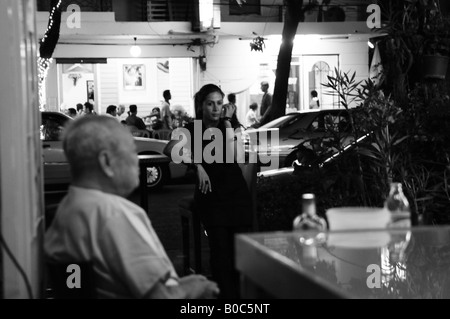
(96, 223)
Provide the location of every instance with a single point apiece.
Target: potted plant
(436, 50)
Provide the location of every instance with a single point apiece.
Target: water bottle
(398, 206)
(309, 220)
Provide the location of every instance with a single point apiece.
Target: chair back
(162, 134)
(249, 171)
(59, 281)
(137, 132)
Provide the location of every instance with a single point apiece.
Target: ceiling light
(135, 50)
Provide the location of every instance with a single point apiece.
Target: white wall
(178, 81)
(21, 179)
(231, 64)
(74, 93)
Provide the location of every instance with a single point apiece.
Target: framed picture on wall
(90, 90)
(134, 77)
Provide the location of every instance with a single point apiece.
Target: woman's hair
(254, 106)
(72, 111)
(232, 98)
(314, 93)
(200, 97)
(111, 108)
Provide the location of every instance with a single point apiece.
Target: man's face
(264, 87)
(125, 165)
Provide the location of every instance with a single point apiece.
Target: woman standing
(221, 194)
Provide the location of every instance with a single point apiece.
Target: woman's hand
(203, 178)
(228, 110)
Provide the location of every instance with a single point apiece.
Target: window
(247, 7)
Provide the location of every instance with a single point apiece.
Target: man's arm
(167, 116)
(189, 287)
(140, 124)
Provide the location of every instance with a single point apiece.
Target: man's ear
(104, 160)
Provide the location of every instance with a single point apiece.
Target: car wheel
(156, 176)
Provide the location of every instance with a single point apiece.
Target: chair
(137, 132)
(190, 219)
(58, 274)
(162, 134)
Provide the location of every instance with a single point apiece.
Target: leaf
(400, 140)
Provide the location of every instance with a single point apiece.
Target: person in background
(251, 117)
(221, 195)
(72, 112)
(155, 119)
(96, 223)
(166, 113)
(232, 100)
(314, 102)
(121, 115)
(89, 109)
(111, 110)
(80, 109)
(133, 119)
(266, 100)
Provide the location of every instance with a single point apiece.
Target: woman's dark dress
(229, 203)
(225, 211)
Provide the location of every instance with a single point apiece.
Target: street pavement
(164, 215)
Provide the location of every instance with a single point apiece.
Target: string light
(44, 63)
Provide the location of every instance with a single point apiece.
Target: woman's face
(212, 107)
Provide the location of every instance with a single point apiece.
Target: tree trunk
(292, 17)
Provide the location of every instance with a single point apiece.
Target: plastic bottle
(309, 220)
(398, 206)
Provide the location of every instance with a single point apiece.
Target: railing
(169, 10)
(250, 11)
(85, 5)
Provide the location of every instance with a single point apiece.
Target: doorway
(316, 69)
(77, 85)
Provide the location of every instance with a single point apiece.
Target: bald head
(99, 147)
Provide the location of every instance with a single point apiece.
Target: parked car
(56, 167)
(298, 128)
(310, 161)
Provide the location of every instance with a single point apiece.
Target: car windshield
(281, 121)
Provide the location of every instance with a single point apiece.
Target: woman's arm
(172, 150)
(179, 148)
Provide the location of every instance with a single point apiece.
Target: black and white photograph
(134, 76)
(233, 156)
